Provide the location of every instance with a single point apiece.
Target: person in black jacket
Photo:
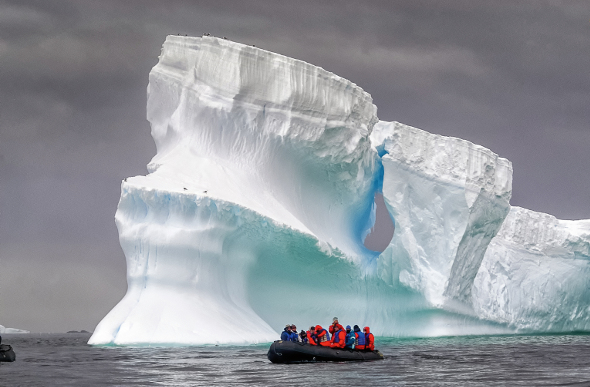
(303, 337)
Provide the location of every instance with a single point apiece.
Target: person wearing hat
(286, 334)
(294, 334)
(335, 327)
(350, 338)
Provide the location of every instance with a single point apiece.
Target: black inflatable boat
(290, 352)
(6, 353)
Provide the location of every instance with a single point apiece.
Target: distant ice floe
(3, 330)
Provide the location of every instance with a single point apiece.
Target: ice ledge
(445, 159)
(542, 233)
(235, 73)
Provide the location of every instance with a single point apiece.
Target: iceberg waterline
(261, 193)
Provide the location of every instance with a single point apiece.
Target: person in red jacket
(339, 338)
(323, 336)
(311, 337)
(335, 327)
(369, 339)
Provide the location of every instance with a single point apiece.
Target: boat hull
(290, 352)
(6, 353)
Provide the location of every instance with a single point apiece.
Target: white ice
(261, 193)
(3, 330)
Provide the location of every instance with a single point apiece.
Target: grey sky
(512, 76)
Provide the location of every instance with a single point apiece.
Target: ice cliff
(535, 274)
(261, 194)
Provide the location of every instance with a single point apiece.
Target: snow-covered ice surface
(261, 194)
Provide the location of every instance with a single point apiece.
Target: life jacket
(360, 339)
(294, 336)
(325, 337)
(336, 338)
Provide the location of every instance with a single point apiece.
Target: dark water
(66, 360)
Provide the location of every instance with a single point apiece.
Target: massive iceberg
(262, 192)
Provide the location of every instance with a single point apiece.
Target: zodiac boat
(290, 352)
(6, 353)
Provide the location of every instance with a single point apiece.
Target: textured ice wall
(260, 192)
(448, 198)
(535, 274)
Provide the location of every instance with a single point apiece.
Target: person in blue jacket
(286, 334)
(360, 338)
(294, 334)
(350, 338)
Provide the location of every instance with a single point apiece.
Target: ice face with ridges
(448, 198)
(261, 192)
(535, 274)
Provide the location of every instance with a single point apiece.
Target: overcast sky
(513, 76)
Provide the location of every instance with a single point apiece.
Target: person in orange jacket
(369, 339)
(335, 327)
(311, 337)
(323, 336)
(339, 338)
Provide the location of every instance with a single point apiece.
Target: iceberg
(3, 330)
(260, 196)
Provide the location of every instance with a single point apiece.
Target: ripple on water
(518, 360)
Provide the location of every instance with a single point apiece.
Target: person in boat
(369, 339)
(339, 338)
(311, 336)
(323, 336)
(350, 338)
(360, 338)
(286, 334)
(303, 337)
(294, 334)
(335, 327)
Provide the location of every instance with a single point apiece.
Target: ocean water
(513, 360)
